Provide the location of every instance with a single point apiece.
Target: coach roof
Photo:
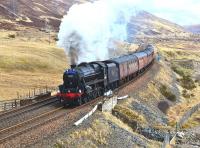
(124, 58)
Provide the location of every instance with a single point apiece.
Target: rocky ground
(190, 138)
(114, 136)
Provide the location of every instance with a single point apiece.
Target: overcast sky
(183, 12)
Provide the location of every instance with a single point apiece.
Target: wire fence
(34, 92)
(167, 141)
(187, 115)
(31, 96)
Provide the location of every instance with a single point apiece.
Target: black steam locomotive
(87, 81)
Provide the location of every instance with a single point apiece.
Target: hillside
(28, 61)
(193, 28)
(145, 23)
(39, 13)
(34, 13)
(29, 58)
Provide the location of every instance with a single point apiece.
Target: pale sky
(183, 12)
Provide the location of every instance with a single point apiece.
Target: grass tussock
(187, 94)
(95, 135)
(171, 54)
(164, 75)
(152, 92)
(181, 69)
(167, 93)
(187, 82)
(11, 36)
(172, 123)
(178, 70)
(130, 114)
(161, 127)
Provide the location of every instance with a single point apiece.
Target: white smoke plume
(88, 29)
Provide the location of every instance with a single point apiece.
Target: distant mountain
(42, 13)
(33, 13)
(193, 28)
(145, 23)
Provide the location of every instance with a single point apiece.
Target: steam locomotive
(87, 81)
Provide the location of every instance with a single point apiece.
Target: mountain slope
(145, 23)
(34, 13)
(40, 13)
(193, 28)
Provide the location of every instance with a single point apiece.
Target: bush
(167, 93)
(178, 70)
(56, 39)
(170, 53)
(11, 36)
(187, 82)
(185, 94)
(197, 81)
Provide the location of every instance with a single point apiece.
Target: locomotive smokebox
(73, 66)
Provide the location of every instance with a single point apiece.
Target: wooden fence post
(17, 95)
(34, 91)
(15, 103)
(5, 106)
(12, 105)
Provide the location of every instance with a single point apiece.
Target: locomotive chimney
(73, 66)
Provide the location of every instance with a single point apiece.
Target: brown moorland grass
(193, 121)
(177, 111)
(181, 50)
(28, 63)
(130, 114)
(95, 135)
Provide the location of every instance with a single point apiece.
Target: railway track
(27, 108)
(42, 119)
(15, 116)
(57, 114)
(15, 130)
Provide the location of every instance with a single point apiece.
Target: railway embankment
(149, 102)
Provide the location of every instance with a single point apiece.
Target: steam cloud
(89, 29)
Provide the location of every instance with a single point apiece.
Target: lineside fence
(32, 96)
(167, 142)
(188, 115)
